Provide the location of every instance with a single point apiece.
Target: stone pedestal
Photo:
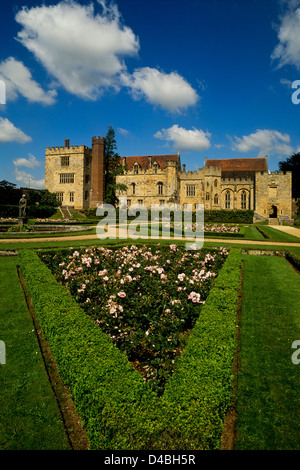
(22, 221)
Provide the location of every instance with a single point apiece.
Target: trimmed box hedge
(117, 408)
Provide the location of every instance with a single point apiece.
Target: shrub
(229, 216)
(9, 210)
(40, 211)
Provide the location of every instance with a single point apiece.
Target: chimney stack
(67, 143)
(183, 167)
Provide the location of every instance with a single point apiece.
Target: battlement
(273, 174)
(213, 170)
(98, 140)
(236, 179)
(280, 173)
(67, 150)
(195, 174)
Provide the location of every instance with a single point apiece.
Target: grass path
(268, 403)
(29, 417)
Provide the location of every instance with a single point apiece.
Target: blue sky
(207, 78)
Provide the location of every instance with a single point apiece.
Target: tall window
(227, 200)
(72, 196)
(136, 168)
(66, 178)
(207, 196)
(65, 161)
(216, 183)
(216, 199)
(60, 196)
(190, 190)
(160, 188)
(133, 188)
(244, 200)
(155, 168)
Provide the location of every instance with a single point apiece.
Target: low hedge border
(117, 408)
(293, 258)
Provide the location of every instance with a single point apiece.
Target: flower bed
(117, 408)
(146, 299)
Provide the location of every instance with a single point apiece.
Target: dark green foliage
(9, 210)
(229, 216)
(42, 197)
(113, 167)
(9, 194)
(40, 211)
(292, 164)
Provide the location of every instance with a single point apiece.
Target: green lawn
(268, 405)
(29, 416)
(277, 235)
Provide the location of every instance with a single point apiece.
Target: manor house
(77, 175)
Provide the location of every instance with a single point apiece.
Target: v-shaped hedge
(118, 410)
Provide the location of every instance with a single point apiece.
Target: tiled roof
(143, 161)
(239, 164)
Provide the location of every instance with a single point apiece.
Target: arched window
(133, 188)
(244, 200)
(216, 183)
(207, 196)
(160, 188)
(216, 199)
(227, 200)
(155, 168)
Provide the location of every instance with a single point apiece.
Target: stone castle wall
(273, 191)
(75, 194)
(262, 192)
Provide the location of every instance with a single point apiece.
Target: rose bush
(147, 299)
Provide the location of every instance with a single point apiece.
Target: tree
(292, 164)
(43, 197)
(113, 167)
(9, 194)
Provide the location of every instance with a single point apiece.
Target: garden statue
(22, 206)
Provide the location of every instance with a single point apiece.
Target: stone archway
(273, 212)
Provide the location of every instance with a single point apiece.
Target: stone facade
(77, 175)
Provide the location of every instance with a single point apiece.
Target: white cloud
(81, 49)
(184, 139)
(10, 133)
(30, 162)
(265, 141)
(288, 49)
(18, 80)
(170, 91)
(122, 131)
(28, 180)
